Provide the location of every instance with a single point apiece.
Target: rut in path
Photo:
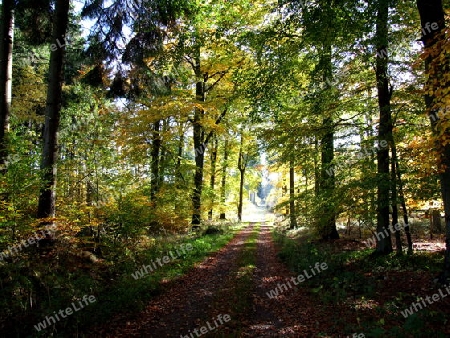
(209, 290)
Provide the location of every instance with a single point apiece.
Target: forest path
(226, 296)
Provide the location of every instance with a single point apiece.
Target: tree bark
(155, 151)
(178, 175)
(403, 203)
(6, 48)
(384, 243)
(199, 146)
(212, 181)
(47, 198)
(431, 12)
(398, 240)
(224, 179)
(328, 181)
(242, 164)
(292, 209)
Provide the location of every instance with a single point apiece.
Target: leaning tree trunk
(47, 198)
(437, 68)
(384, 243)
(6, 48)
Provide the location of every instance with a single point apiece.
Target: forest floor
(212, 289)
(227, 295)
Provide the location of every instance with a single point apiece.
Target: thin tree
(292, 209)
(6, 48)
(224, 178)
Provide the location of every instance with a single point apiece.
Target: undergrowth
(35, 286)
(354, 278)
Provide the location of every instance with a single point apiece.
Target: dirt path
(205, 302)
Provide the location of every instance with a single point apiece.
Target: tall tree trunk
(242, 164)
(212, 181)
(6, 48)
(398, 240)
(155, 151)
(292, 209)
(405, 211)
(328, 181)
(163, 153)
(224, 179)
(178, 174)
(431, 13)
(316, 168)
(47, 198)
(199, 146)
(384, 243)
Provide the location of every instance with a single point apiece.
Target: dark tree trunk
(384, 243)
(292, 209)
(178, 175)
(155, 152)
(405, 211)
(431, 12)
(316, 168)
(6, 48)
(224, 179)
(328, 181)
(47, 196)
(398, 240)
(212, 181)
(163, 153)
(199, 146)
(242, 164)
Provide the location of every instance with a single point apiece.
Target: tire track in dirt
(294, 312)
(186, 303)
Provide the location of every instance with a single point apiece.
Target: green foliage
(36, 288)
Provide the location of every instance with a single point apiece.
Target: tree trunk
(212, 181)
(328, 181)
(398, 240)
(6, 48)
(405, 211)
(155, 151)
(384, 243)
(178, 175)
(224, 179)
(292, 209)
(242, 164)
(162, 153)
(431, 12)
(47, 196)
(199, 146)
